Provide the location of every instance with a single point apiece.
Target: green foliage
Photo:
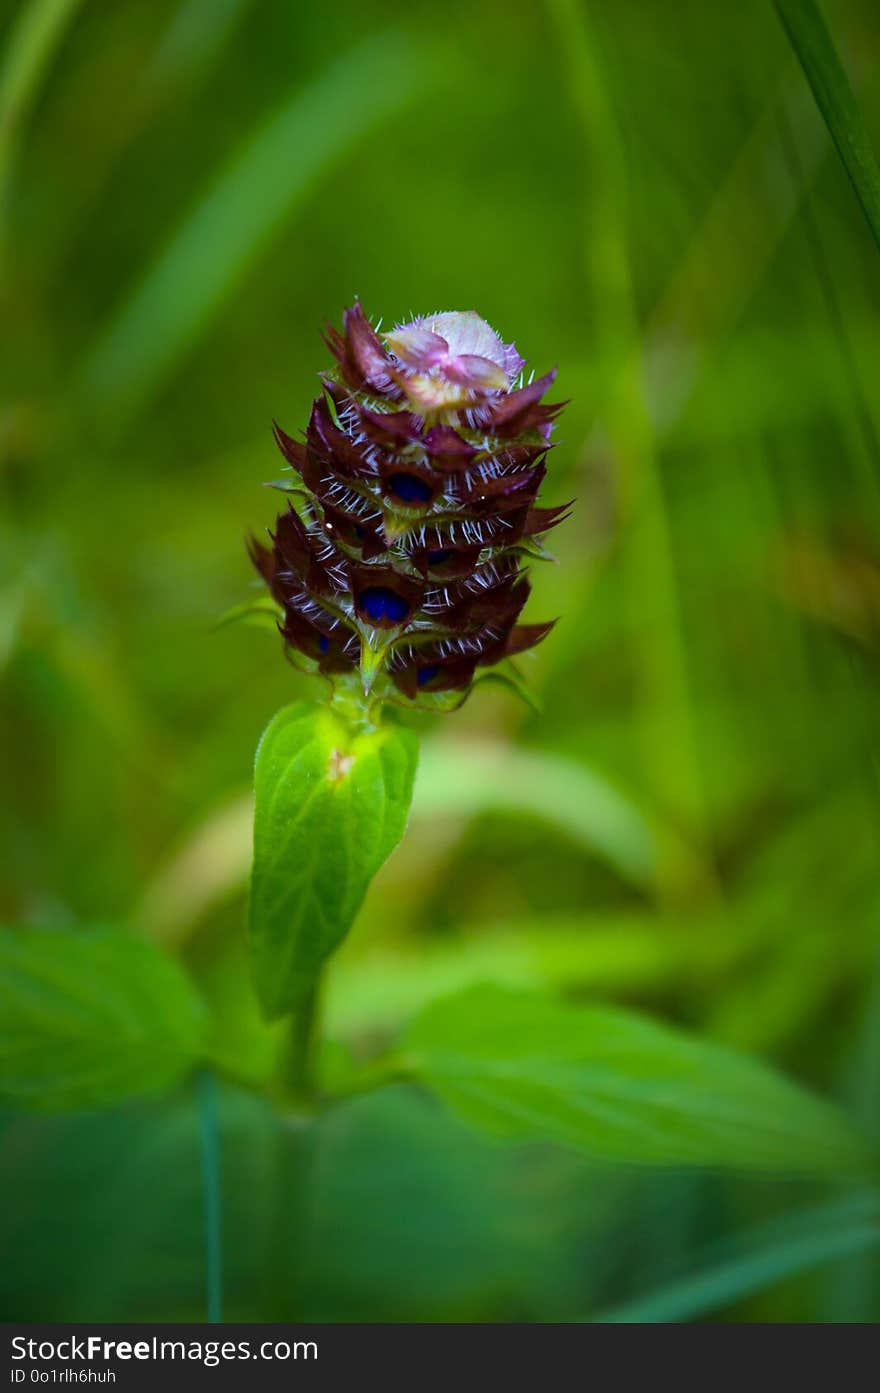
(91, 1019)
(811, 41)
(331, 805)
(619, 1087)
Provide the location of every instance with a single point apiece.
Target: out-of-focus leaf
(667, 730)
(212, 864)
(765, 1255)
(33, 39)
(411, 1213)
(263, 182)
(464, 778)
(806, 28)
(243, 1046)
(12, 606)
(619, 1087)
(196, 33)
(377, 987)
(331, 805)
(383, 1208)
(90, 1019)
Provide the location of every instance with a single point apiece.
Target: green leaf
(90, 1019)
(263, 613)
(509, 678)
(618, 1087)
(331, 805)
(378, 987)
(808, 33)
(761, 1257)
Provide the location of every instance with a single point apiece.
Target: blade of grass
(769, 1254)
(853, 1288)
(260, 186)
(697, 310)
(206, 1090)
(33, 40)
(187, 49)
(836, 318)
(196, 33)
(666, 724)
(809, 36)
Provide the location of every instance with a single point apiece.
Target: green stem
(351, 700)
(206, 1088)
(298, 1068)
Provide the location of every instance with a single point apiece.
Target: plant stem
(206, 1088)
(298, 1069)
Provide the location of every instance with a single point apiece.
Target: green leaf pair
(92, 1019)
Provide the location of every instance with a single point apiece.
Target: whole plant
(397, 574)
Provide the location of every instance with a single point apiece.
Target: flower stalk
(399, 572)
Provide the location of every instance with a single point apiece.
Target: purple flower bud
(402, 553)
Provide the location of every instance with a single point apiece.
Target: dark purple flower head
(402, 551)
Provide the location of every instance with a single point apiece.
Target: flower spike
(400, 556)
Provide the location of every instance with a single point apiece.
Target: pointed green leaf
(263, 613)
(618, 1087)
(91, 1019)
(509, 678)
(809, 36)
(331, 805)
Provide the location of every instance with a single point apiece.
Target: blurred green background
(644, 194)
